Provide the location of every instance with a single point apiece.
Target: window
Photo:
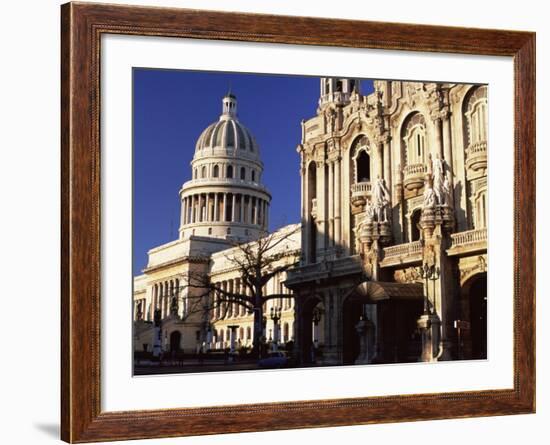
(414, 140)
(229, 171)
(363, 166)
(203, 172)
(480, 217)
(216, 171)
(475, 110)
(243, 173)
(210, 230)
(253, 175)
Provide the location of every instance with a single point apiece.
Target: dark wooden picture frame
(82, 26)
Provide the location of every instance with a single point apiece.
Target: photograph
(286, 221)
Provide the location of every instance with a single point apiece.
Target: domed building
(225, 197)
(223, 204)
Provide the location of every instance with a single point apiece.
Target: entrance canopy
(378, 291)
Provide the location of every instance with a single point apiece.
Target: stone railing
(402, 250)
(469, 237)
(413, 176)
(476, 156)
(478, 147)
(361, 187)
(359, 192)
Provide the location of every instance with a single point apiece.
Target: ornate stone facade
(394, 187)
(393, 237)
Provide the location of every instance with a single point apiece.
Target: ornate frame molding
(81, 27)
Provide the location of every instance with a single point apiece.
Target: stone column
(208, 207)
(200, 219)
(241, 207)
(438, 137)
(266, 215)
(379, 160)
(387, 163)
(305, 217)
(337, 202)
(448, 145)
(216, 207)
(233, 207)
(330, 204)
(250, 210)
(224, 206)
(321, 207)
(183, 207)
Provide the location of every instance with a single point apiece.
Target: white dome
(225, 197)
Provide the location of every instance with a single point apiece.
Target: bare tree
(257, 263)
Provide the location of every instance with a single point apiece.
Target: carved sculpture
(429, 196)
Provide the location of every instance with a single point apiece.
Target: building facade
(392, 238)
(394, 205)
(223, 205)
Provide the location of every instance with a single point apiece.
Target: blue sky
(172, 108)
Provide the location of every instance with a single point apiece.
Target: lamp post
(275, 315)
(429, 273)
(429, 322)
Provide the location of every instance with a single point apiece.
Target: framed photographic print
(283, 222)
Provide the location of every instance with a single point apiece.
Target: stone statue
(439, 174)
(447, 191)
(429, 197)
(381, 200)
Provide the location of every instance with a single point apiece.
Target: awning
(377, 291)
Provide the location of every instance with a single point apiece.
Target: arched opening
(393, 309)
(477, 297)
(312, 330)
(353, 309)
(413, 139)
(175, 341)
(363, 166)
(475, 112)
(415, 221)
(203, 171)
(311, 209)
(243, 173)
(229, 171)
(216, 173)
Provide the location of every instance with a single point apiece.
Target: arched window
(203, 171)
(229, 171)
(216, 173)
(476, 116)
(253, 175)
(363, 167)
(415, 220)
(414, 140)
(480, 217)
(360, 160)
(243, 173)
